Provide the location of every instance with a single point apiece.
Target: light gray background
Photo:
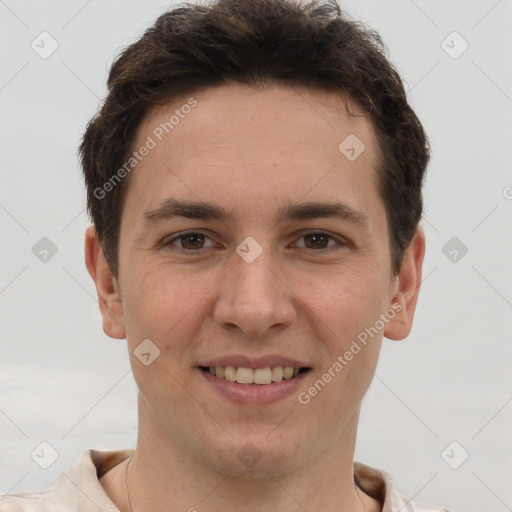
(63, 381)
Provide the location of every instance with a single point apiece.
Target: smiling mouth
(256, 377)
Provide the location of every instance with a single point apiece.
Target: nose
(254, 298)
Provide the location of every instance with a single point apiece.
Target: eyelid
(167, 241)
(338, 238)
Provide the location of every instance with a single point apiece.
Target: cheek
(166, 306)
(160, 297)
(348, 302)
(161, 307)
(350, 307)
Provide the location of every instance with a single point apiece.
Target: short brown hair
(193, 47)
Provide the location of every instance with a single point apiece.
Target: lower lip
(256, 395)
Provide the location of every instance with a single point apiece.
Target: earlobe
(406, 289)
(107, 289)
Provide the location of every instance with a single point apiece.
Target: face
(260, 280)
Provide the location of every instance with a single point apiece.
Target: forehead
(253, 114)
(236, 142)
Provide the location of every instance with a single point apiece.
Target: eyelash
(166, 243)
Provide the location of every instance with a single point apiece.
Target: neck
(163, 477)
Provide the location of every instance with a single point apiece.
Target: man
(254, 179)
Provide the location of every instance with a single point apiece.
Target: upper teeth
(257, 376)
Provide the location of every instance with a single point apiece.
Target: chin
(255, 456)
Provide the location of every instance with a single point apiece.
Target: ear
(406, 288)
(107, 288)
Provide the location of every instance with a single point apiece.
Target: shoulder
(380, 485)
(38, 501)
(76, 490)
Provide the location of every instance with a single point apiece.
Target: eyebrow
(171, 208)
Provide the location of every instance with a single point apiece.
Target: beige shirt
(79, 490)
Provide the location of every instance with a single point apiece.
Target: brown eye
(318, 240)
(192, 240)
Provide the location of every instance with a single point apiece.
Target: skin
(251, 150)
